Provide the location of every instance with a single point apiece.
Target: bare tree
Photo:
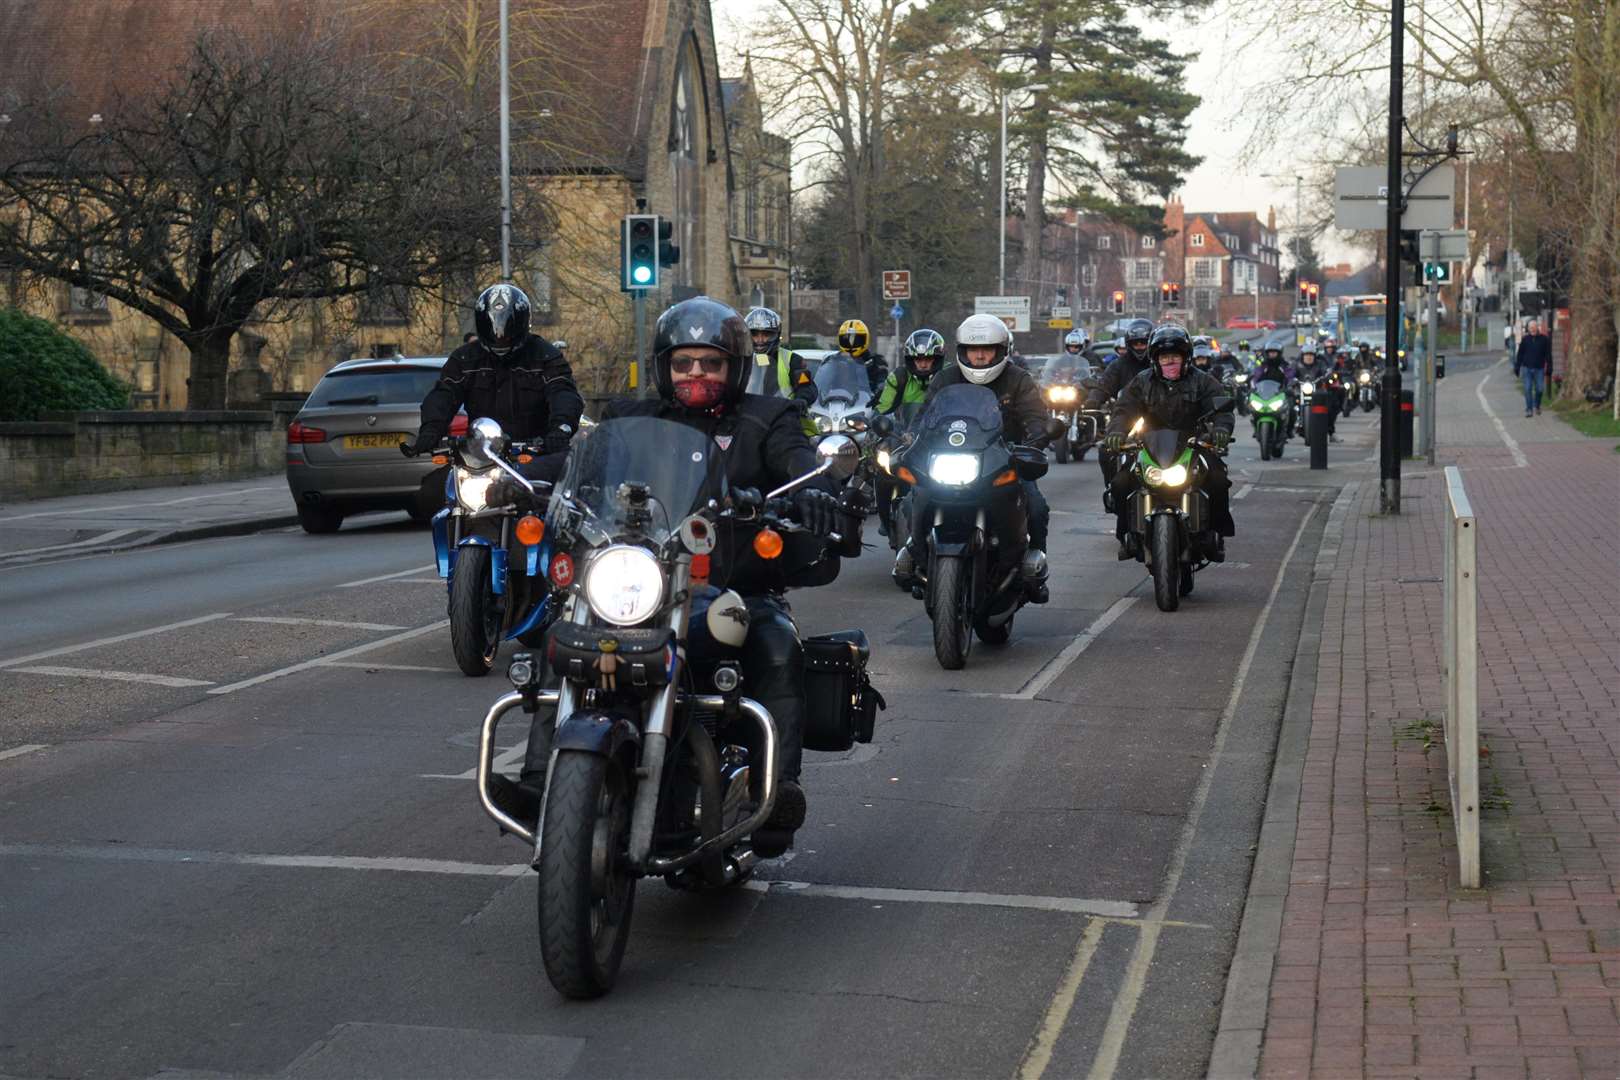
(268, 172)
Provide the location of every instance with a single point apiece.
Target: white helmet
(1077, 337)
(983, 330)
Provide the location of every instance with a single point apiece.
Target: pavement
(1359, 954)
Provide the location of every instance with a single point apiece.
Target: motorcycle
(1366, 391)
(1237, 386)
(642, 779)
(890, 432)
(1269, 403)
(492, 555)
(959, 462)
(1169, 509)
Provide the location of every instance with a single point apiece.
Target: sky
(1218, 129)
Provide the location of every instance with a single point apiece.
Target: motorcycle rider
(1076, 341)
(1132, 361)
(520, 380)
(1172, 393)
(854, 339)
(778, 371)
(701, 356)
(983, 345)
(1311, 369)
(1203, 358)
(924, 353)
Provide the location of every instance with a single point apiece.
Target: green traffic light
(642, 274)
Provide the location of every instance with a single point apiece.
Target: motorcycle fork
(649, 777)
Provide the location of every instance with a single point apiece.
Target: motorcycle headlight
(1257, 402)
(884, 459)
(472, 489)
(624, 585)
(954, 469)
(1364, 377)
(1174, 476)
(1307, 388)
(1240, 379)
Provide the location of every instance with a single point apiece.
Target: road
(238, 835)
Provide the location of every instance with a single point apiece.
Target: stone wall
(77, 453)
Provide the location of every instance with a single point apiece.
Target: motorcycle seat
(856, 638)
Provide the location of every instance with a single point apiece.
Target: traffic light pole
(1389, 456)
(1431, 361)
(641, 370)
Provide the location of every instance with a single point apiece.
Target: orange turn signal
(524, 459)
(530, 530)
(441, 459)
(767, 543)
(1008, 477)
(906, 474)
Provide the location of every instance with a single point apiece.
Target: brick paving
(1385, 967)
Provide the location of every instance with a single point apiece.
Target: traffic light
(1304, 294)
(1316, 293)
(638, 252)
(1119, 302)
(1437, 273)
(1175, 294)
(668, 253)
(1164, 293)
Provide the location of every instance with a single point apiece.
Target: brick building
(1226, 254)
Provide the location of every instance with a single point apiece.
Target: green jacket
(900, 389)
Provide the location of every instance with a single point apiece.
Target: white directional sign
(1443, 246)
(1012, 310)
(1361, 199)
(1061, 312)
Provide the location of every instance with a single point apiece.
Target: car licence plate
(381, 440)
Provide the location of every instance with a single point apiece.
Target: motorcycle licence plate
(378, 440)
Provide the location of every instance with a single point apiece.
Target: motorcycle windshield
(1064, 369)
(676, 464)
(1163, 445)
(963, 408)
(843, 382)
(1268, 388)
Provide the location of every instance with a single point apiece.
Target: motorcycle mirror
(485, 441)
(840, 454)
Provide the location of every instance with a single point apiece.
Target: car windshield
(373, 386)
(976, 405)
(841, 379)
(678, 466)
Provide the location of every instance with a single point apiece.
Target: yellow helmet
(853, 337)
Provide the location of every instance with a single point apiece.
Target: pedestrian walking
(1531, 364)
(1507, 337)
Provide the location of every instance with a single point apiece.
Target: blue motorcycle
(491, 547)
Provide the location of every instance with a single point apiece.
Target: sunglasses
(711, 365)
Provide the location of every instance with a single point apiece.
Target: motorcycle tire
(1080, 452)
(475, 616)
(319, 520)
(1265, 447)
(953, 615)
(1186, 580)
(1061, 449)
(587, 894)
(1166, 548)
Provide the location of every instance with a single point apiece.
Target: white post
(1001, 276)
(1461, 673)
(506, 150)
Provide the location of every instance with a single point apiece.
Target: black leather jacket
(1023, 412)
(1115, 377)
(1177, 405)
(530, 392)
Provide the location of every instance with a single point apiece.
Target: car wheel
(319, 520)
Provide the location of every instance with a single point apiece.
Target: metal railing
(1461, 664)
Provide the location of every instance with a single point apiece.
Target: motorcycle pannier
(841, 703)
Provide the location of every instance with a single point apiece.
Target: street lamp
(1001, 277)
(506, 149)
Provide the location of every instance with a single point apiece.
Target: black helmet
(1169, 338)
(762, 320)
(702, 321)
(501, 317)
(1138, 332)
(924, 342)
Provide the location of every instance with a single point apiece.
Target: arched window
(685, 173)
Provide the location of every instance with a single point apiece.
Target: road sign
(1012, 310)
(1443, 245)
(1061, 312)
(897, 312)
(1361, 199)
(1060, 324)
(897, 285)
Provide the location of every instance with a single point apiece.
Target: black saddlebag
(841, 703)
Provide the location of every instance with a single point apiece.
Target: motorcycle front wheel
(587, 893)
(475, 614)
(1166, 548)
(1061, 449)
(1265, 445)
(953, 617)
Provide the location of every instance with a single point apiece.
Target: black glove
(1114, 442)
(555, 442)
(422, 444)
(817, 511)
(1222, 439)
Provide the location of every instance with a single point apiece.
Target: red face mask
(1170, 366)
(699, 393)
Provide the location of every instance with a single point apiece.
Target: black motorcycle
(1169, 510)
(969, 476)
(647, 773)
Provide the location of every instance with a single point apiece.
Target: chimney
(1271, 218)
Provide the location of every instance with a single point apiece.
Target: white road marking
(103, 538)
(1118, 909)
(504, 760)
(383, 667)
(1039, 1055)
(1242, 492)
(1060, 663)
(99, 642)
(1519, 460)
(439, 581)
(387, 577)
(19, 751)
(1112, 1043)
(290, 621)
(133, 506)
(111, 676)
(319, 661)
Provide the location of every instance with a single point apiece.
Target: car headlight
(472, 489)
(1174, 476)
(954, 469)
(884, 459)
(1307, 388)
(624, 585)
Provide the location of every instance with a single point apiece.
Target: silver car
(343, 446)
